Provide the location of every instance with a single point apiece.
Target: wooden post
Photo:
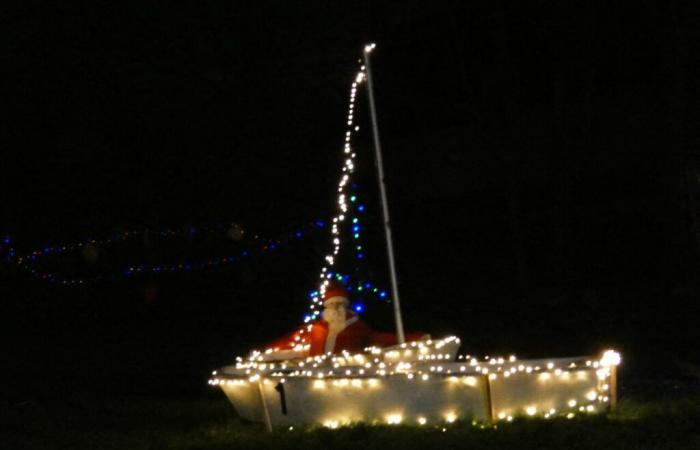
(613, 386)
(488, 402)
(268, 422)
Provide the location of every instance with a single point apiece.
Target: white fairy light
(610, 358)
(347, 169)
(323, 380)
(394, 419)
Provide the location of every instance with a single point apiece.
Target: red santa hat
(335, 292)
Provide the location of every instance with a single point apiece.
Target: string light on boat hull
(460, 382)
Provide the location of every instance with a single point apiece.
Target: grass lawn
(55, 415)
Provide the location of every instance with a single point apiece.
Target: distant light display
(89, 249)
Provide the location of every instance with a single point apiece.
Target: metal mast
(382, 190)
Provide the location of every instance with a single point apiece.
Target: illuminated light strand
(342, 200)
(356, 223)
(368, 369)
(265, 246)
(122, 236)
(362, 287)
(7, 252)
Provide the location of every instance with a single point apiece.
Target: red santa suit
(318, 338)
(321, 337)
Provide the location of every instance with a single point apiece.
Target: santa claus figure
(339, 329)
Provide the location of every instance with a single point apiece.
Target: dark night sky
(529, 144)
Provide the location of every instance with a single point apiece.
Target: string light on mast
(343, 196)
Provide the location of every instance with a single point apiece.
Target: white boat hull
(455, 391)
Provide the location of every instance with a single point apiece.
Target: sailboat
(423, 382)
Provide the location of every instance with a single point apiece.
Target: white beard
(336, 324)
(334, 317)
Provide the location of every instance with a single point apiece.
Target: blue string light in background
(362, 287)
(30, 260)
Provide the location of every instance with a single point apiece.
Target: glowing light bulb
(610, 358)
(394, 419)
